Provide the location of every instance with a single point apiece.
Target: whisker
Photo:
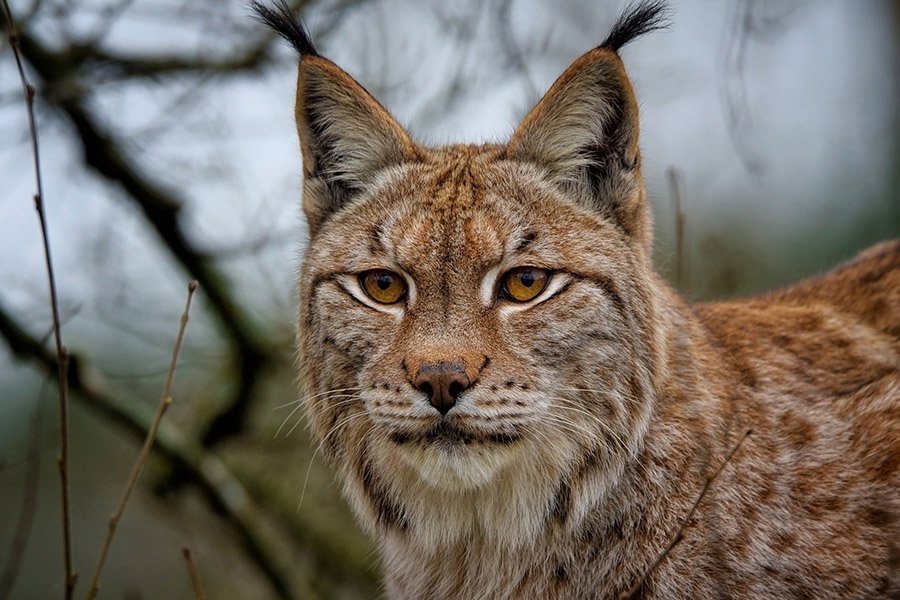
(307, 398)
(350, 398)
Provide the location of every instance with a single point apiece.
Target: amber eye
(524, 283)
(383, 286)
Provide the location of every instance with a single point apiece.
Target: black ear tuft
(638, 18)
(280, 18)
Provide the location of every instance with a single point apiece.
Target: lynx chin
(518, 405)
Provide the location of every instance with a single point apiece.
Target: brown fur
(597, 411)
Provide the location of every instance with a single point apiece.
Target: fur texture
(597, 410)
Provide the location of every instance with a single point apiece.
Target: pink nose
(442, 382)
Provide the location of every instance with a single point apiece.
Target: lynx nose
(442, 382)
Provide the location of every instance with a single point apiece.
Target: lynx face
(475, 319)
(511, 329)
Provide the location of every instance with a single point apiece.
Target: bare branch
(195, 574)
(265, 545)
(118, 66)
(162, 209)
(164, 404)
(61, 352)
(632, 593)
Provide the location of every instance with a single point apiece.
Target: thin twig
(266, 546)
(164, 404)
(633, 592)
(61, 351)
(104, 152)
(195, 574)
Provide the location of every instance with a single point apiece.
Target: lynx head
(476, 322)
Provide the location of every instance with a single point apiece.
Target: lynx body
(519, 407)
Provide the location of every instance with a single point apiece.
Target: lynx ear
(346, 136)
(584, 131)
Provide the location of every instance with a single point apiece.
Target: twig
(681, 266)
(104, 152)
(266, 546)
(164, 404)
(632, 593)
(61, 351)
(195, 574)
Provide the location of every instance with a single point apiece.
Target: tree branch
(266, 545)
(164, 404)
(103, 153)
(193, 572)
(61, 352)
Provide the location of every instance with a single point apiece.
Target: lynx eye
(382, 286)
(524, 283)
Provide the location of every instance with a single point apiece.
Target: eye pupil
(383, 286)
(524, 283)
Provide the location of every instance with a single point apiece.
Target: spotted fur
(599, 410)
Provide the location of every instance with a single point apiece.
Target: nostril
(442, 383)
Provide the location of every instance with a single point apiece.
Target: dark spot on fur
(388, 513)
(797, 430)
(784, 541)
(879, 517)
(840, 343)
(504, 439)
(399, 437)
(782, 341)
(559, 510)
(616, 529)
(375, 245)
(798, 589)
(527, 239)
(562, 573)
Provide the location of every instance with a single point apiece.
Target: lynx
(518, 405)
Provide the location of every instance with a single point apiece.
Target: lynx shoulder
(519, 407)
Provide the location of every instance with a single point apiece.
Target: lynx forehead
(519, 407)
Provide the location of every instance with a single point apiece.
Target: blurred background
(169, 153)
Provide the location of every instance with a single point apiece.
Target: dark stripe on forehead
(375, 245)
(527, 240)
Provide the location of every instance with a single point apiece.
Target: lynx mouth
(447, 434)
